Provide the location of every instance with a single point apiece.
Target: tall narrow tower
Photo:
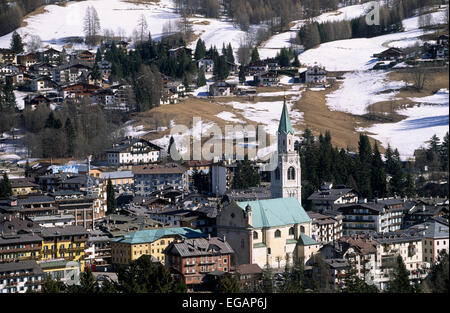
(286, 178)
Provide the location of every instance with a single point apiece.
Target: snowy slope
(361, 89)
(422, 123)
(356, 54)
(61, 22)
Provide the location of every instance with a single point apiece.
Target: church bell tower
(286, 178)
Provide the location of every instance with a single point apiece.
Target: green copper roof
(276, 212)
(285, 122)
(150, 235)
(306, 240)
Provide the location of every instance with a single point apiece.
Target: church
(274, 232)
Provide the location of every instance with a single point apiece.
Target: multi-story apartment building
(148, 178)
(19, 239)
(408, 245)
(325, 228)
(194, 258)
(21, 276)
(374, 216)
(435, 239)
(133, 151)
(7, 56)
(64, 243)
(327, 197)
(30, 206)
(77, 204)
(151, 242)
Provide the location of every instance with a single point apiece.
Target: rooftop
(150, 235)
(276, 212)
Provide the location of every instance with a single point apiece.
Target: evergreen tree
(437, 280)
(52, 122)
(201, 79)
(283, 58)
(230, 54)
(396, 183)
(296, 62)
(5, 187)
(378, 177)
(227, 284)
(200, 50)
(267, 281)
(399, 282)
(444, 153)
(98, 55)
(242, 74)
(51, 285)
(16, 43)
(353, 284)
(364, 166)
(255, 55)
(245, 175)
(95, 73)
(295, 278)
(111, 201)
(144, 276)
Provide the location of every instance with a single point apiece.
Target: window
(291, 173)
(277, 233)
(291, 231)
(302, 229)
(255, 235)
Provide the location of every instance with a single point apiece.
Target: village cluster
(57, 221)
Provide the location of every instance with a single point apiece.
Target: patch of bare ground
(319, 118)
(182, 113)
(436, 78)
(201, 22)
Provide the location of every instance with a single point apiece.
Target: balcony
(26, 249)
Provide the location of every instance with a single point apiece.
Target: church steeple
(286, 178)
(285, 121)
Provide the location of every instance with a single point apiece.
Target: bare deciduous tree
(91, 26)
(34, 43)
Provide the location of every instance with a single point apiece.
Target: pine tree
(201, 79)
(200, 50)
(437, 279)
(399, 282)
(296, 62)
(396, 183)
(5, 187)
(378, 177)
(242, 74)
(364, 166)
(16, 43)
(111, 201)
(230, 54)
(255, 55)
(51, 285)
(228, 284)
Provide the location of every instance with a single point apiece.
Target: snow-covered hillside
(424, 120)
(356, 54)
(60, 22)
